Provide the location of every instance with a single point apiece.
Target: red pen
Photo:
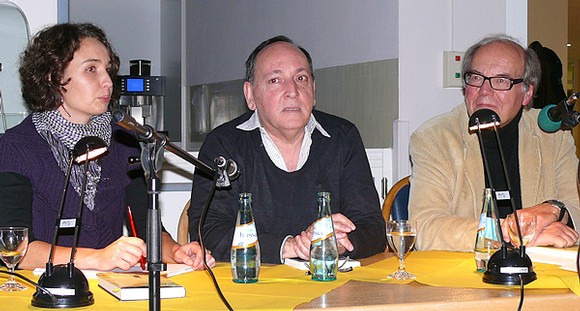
(134, 232)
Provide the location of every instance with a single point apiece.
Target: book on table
(135, 286)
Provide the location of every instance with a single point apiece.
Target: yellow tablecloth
(453, 269)
(282, 288)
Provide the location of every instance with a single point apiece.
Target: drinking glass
(401, 236)
(527, 226)
(13, 245)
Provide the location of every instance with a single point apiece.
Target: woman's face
(88, 86)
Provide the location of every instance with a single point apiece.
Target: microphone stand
(151, 165)
(569, 117)
(504, 266)
(152, 145)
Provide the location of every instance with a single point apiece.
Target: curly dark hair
(49, 53)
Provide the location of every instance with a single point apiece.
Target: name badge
(502, 195)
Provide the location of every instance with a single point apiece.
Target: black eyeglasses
(496, 83)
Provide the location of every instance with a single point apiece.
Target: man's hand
(343, 226)
(549, 231)
(191, 255)
(299, 246)
(545, 213)
(557, 234)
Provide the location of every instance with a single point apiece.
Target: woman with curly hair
(66, 73)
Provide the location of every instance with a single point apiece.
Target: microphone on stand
(561, 116)
(505, 266)
(67, 285)
(144, 132)
(227, 169)
(152, 144)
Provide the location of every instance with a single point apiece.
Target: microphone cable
(199, 234)
(521, 293)
(44, 290)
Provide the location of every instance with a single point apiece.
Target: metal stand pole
(150, 163)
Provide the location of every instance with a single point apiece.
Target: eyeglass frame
(512, 81)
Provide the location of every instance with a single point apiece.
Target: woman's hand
(124, 253)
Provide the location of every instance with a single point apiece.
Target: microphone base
(68, 285)
(508, 267)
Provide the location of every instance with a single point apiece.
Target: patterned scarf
(62, 136)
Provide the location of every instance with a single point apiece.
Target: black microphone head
(483, 119)
(118, 115)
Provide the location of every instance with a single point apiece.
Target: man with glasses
(448, 177)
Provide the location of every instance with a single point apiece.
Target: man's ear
(249, 95)
(528, 96)
(314, 88)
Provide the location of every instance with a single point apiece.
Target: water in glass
(13, 245)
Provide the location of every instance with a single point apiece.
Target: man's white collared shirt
(273, 152)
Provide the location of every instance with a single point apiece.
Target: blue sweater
(285, 203)
(32, 183)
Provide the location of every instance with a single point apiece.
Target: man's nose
(486, 86)
(291, 88)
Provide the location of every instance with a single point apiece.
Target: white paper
(565, 258)
(301, 264)
(173, 269)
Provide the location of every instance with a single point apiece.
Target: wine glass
(527, 222)
(13, 245)
(401, 236)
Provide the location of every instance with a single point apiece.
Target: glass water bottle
(323, 247)
(488, 236)
(245, 253)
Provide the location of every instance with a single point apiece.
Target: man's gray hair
(532, 69)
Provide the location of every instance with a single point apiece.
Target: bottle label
(481, 226)
(245, 236)
(322, 229)
(486, 228)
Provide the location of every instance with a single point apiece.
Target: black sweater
(285, 203)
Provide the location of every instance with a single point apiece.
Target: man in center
(287, 153)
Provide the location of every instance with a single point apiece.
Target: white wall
(221, 34)
(132, 27)
(40, 13)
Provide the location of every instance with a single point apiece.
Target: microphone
(229, 166)
(226, 169)
(561, 116)
(144, 132)
(505, 266)
(483, 119)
